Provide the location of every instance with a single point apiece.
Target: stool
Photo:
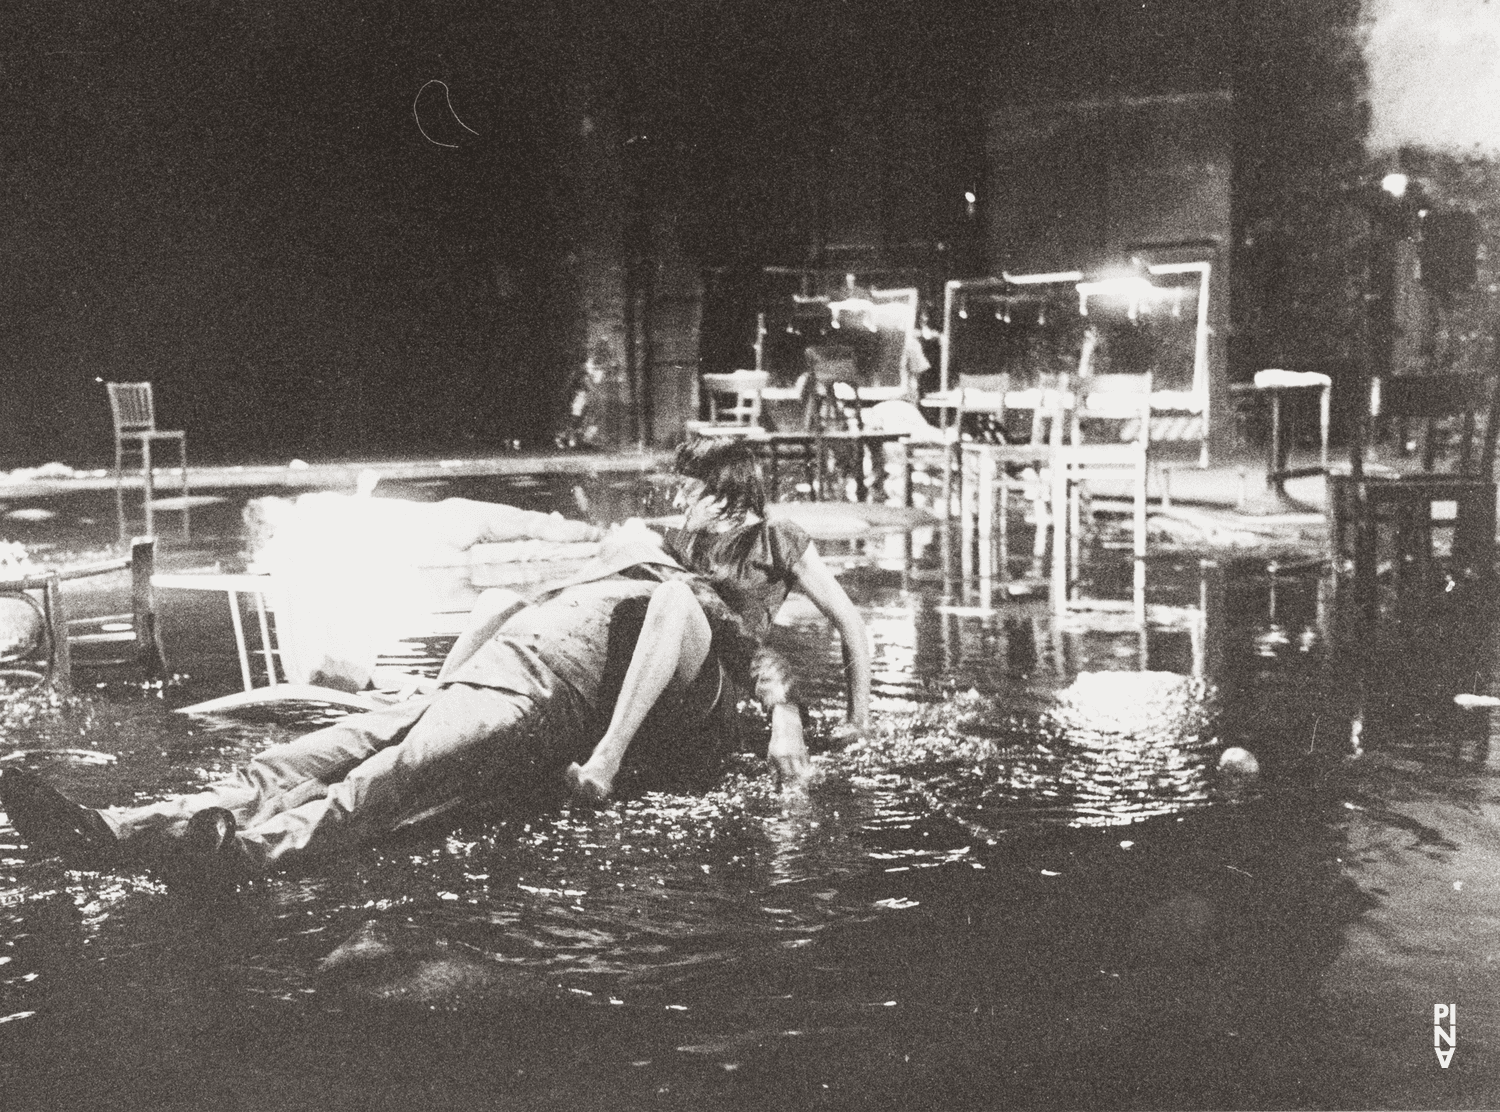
(1271, 385)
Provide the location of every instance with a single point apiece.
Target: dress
(752, 567)
(535, 696)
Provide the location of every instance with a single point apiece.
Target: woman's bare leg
(674, 644)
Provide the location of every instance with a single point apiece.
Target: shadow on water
(1030, 888)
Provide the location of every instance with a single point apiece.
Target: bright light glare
(1125, 286)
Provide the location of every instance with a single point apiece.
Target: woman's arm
(815, 581)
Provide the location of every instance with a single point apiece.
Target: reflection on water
(1028, 888)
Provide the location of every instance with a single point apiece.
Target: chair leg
(951, 462)
(985, 492)
(1138, 578)
(1044, 522)
(1059, 537)
(965, 520)
(1004, 524)
(146, 476)
(1075, 531)
(1140, 511)
(120, 486)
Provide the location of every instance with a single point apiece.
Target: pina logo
(1441, 1034)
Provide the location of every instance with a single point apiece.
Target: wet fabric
(508, 714)
(567, 636)
(753, 567)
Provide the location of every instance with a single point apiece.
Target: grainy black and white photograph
(929, 555)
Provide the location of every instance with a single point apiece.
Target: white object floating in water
(31, 513)
(1235, 761)
(1471, 702)
(187, 502)
(82, 756)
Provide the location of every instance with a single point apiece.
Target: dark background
(235, 200)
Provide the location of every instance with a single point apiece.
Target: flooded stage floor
(1030, 888)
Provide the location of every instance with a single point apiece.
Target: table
(1272, 385)
(811, 448)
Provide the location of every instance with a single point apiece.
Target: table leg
(906, 475)
(1277, 463)
(1324, 399)
(1059, 521)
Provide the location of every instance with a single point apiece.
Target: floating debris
(1473, 702)
(187, 502)
(80, 756)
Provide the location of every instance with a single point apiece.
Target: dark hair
(728, 471)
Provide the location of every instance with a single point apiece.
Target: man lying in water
(635, 641)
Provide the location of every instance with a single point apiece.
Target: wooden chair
(998, 467)
(735, 398)
(50, 656)
(1445, 492)
(1109, 429)
(133, 409)
(981, 398)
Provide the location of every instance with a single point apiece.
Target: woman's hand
(789, 759)
(855, 729)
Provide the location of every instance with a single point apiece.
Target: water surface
(1030, 888)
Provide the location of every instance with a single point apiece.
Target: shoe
(53, 823)
(208, 853)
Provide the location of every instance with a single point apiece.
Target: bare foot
(588, 784)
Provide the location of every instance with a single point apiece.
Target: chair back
(895, 323)
(792, 408)
(1123, 399)
(131, 405)
(983, 396)
(742, 390)
(1434, 399)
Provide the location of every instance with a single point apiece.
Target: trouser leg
(280, 778)
(466, 738)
